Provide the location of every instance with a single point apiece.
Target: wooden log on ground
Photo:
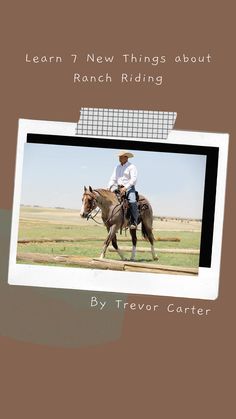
(147, 249)
(159, 270)
(167, 239)
(35, 257)
(88, 239)
(61, 240)
(96, 263)
(81, 261)
(45, 258)
(137, 266)
(27, 241)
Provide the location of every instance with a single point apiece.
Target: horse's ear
(90, 189)
(85, 189)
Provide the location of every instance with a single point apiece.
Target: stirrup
(133, 226)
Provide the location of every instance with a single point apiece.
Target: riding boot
(134, 214)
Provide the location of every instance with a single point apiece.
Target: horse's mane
(109, 195)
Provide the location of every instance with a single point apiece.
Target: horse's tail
(147, 221)
(144, 231)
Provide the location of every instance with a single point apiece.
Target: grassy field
(50, 223)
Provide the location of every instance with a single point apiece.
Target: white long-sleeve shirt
(125, 175)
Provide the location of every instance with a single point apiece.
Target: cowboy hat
(125, 153)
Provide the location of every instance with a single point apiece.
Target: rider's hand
(122, 190)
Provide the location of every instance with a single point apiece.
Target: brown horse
(114, 220)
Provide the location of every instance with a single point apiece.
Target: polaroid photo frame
(204, 285)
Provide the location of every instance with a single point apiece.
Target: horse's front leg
(111, 235)
(115, 245)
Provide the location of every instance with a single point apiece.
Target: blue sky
(55, 176)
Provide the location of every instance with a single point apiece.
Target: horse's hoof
(121, 256)
(156, 258)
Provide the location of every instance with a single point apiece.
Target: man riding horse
(124, 178)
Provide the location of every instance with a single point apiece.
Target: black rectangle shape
(211, 153)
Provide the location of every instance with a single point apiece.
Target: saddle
(123, 199)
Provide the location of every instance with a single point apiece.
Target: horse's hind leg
(134, 242)
(154, 255)
(115, 245)
(151, 241)
(147, 233)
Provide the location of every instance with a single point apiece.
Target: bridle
(93, 206)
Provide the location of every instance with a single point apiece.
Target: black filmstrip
(125, 123)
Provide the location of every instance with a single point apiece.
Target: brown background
(162, 365)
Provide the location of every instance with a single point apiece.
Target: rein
(90, 216)
(93, 216)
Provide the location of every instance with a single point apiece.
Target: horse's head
(88, 202)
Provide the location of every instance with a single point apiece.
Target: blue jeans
(133, 205)
(131, 195)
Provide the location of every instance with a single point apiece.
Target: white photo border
(203, 286)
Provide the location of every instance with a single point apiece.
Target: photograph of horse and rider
(111, 209)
